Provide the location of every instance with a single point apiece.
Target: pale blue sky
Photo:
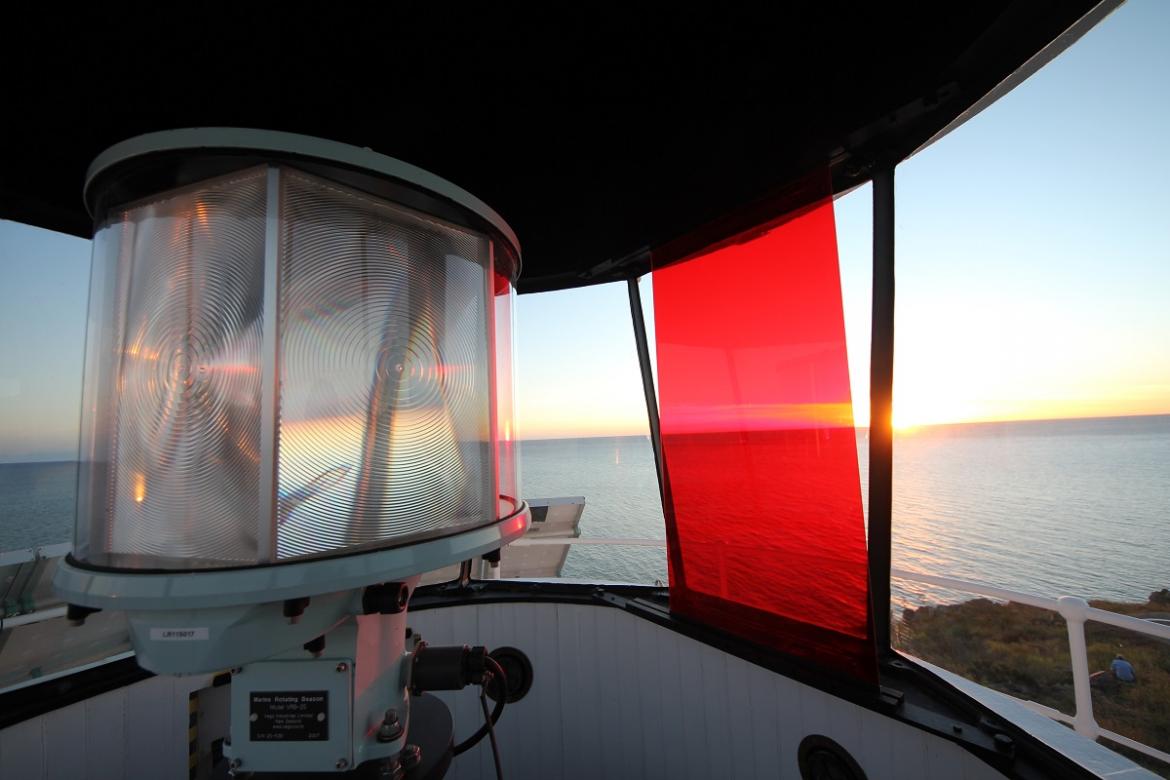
(1033, 256)
(1034, 242)
(1033, 273)
(43, 302)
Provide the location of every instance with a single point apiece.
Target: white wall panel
(674, 700)
(65, 726)
(616, 696)
(22, 750)
(580, 700)
(132, 732)
(105, 734)
(150, 734)
(650, 710)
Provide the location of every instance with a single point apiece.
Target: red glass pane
(508, 480)
(763, 506)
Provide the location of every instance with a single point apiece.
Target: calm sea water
(1071, 507)
(36, 503)
(1076, 507)
(1057, 507)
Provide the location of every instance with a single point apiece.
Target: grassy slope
(1023, 651)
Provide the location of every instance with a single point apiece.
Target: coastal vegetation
(1023, 651)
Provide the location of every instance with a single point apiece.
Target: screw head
(343, 667)
(342, 763)
(391, 729)
(411, 756)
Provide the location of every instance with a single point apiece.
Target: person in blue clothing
(1122, 669)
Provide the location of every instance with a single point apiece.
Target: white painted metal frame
(28, 554)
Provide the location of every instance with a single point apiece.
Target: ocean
(37, 502)
(1070, 507)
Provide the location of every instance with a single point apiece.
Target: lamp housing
(298, 382)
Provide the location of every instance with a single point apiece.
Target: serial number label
(200, 634)
(290, 716)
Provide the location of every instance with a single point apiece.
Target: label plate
(289, 716)
(201, 634)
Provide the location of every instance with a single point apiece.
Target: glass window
(581, 418)
(1032, 376)
(44, 289)
(853, 213)
(44, 283)
(581, 413)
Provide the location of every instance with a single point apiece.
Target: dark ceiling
(595, 134)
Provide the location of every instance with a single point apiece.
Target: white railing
(1075, 611)
(29, 554)
(536, 541)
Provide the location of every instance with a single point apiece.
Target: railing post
(1074, 610)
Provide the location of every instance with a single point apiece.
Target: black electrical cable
(491, 734)
(474, 739)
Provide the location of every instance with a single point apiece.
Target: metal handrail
(31, 554)
(1075, 611)
(536, 541)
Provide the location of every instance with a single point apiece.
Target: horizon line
(65, 459)
(896, 430)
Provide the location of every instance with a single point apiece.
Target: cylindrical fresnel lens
(282, 365)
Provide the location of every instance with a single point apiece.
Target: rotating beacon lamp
(297, 399)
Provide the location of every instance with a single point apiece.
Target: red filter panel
(763, 498)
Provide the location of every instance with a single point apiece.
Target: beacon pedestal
(347, 706)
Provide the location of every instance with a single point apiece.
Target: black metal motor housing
(447, 668)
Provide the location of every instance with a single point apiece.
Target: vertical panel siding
(674, 701)
(741, 752)
(614, 696)
(150, 734)
(22, 750)
(877, 749)
(579, 701)
(694, 715)
(105, 733)
(132, 732)
(549, 747)
(64, 727)
(619, 697)
(651, 712)
(767, 730)
(629, 742)
(717, 734)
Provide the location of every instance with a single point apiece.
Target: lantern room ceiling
(596, 134)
